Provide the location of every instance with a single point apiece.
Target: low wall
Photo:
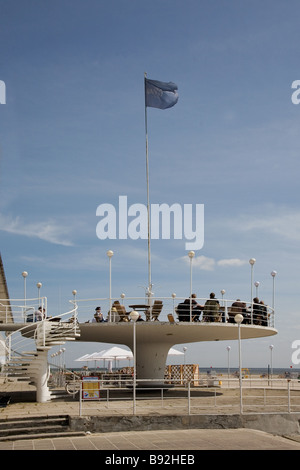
(276, 424)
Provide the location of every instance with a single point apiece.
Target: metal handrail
(19, 309)
(216, 400)
(36, 332)
(170, 307)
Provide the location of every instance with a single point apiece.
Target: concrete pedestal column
(151, 361)
(41, 377)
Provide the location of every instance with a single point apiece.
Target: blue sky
(72, 137)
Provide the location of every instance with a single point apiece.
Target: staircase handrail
(17, 309)
(37, 331)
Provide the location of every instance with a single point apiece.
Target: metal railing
(29, 310)
(282, 396)
(23, 311)
(254, 314)
(38, 333)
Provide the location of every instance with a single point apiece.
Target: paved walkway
(173, 440)
(161, 440)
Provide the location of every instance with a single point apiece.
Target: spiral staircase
(27, 349)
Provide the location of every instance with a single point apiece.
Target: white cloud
(49, 231)
(281, 221)
(208, 264)
(201, 262)
(231, 262)
(204, 263)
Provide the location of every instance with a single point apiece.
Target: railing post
(289, 396)
(189, 398)
(80, 399)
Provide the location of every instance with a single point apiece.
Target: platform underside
(154, 339)
(170, 333)
(177, 333)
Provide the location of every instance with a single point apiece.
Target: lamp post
(184, 362)
(271, 360)
(110, 254)
(25, 274)
(256, 288)
(224, 313)
(228, 369)
(191, 256)
(134, 315)
(39, 285)
(74, 292)
(252, 262)
(238, 319)
(184, 350)
(273, 274)
(173, 297)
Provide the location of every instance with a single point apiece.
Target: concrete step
(58, 394)
(47, 435)
(41, 426)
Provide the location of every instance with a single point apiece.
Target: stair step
(18, 361)
(32, 353)
(36, 427)
(43, 436)
(34, 420)
(29, 430)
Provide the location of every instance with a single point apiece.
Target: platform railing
(86, 310)
(25, 311)
(22, 310)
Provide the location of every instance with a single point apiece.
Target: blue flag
(160, 94)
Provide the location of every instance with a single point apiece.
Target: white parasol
(175, 352)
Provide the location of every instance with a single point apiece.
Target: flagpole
(149, 292)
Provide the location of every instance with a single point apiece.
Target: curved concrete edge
(176, 333)
(276, 424)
